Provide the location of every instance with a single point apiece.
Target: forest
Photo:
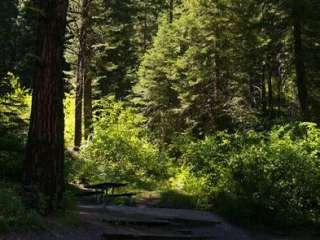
(202, 104)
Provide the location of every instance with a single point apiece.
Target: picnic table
(106, 191)
(107, 187)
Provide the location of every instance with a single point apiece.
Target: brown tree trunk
(171, 8)
(263, 91)
(145, 25)
(252, 92)
(78, 103)
(299, 63)
(270, 92)
(87, 104)
(44, 161)
(82, 83)
(279, 77)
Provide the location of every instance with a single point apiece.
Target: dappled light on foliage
(269, 177)
(120, 148)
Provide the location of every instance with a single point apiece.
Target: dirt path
(119, 222)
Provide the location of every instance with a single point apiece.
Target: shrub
(120, 149)
(69, 111)
(185, 185)
(271, 177)
(13, 214)
(14, 113)
(177, 199)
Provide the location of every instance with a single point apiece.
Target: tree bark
(279, 77)
(44, 161)
(78, 103)
(83, 85)
(263, 91)
(171, 8)
(145, 26)
(270, 92)
(252, 92)
(299, 63)
(87, 104)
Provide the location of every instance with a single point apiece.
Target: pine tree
(115, 57)
(190, 72)
(8, 16)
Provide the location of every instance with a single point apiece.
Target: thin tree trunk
(270, 93)
(263, 91)
(299, 64)
(279, 87)
(252, 92)
(87, 104)
(82, 73)
(171, 8)
(78, 103)
(44, 161)
(145, 25)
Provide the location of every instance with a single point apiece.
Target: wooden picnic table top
(106, 185)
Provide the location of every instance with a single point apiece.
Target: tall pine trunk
(145, 26)
(44, 161)
(279, 85)
(270, 92)
(299, 63)
(263, 91)
(87, 104)
(78, 101)
(171, 9)
(83, 84)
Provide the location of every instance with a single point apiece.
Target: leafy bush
(184, 187)
(177, 199)
(14, 113)
(14, 108)
(13, 214)
(271, 177)
(11, 165)
(69, 111)
(120, 149)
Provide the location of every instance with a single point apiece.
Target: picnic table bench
(106, 191)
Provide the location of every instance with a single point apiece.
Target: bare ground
(120, 222)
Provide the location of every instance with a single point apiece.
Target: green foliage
(14, 114)
(187, 81)
(7, 18)
(185, 187)
(69, 111)
(115, 50)
(13, 214)
(178, 200)
(17, 42)
(120, 149)
(268, 177)
(15, 106)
